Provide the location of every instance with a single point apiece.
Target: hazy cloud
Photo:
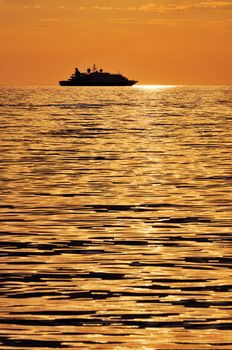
(22, 2)
(214, 4)
(184, 6)
(51, 19)
(107, 8)
(139, 8)
(161, 7)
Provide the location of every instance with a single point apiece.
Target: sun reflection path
(153, 87)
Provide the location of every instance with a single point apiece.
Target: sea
(115, 212)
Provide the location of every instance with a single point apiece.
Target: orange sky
(154, 41)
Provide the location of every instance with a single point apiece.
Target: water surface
(115, 218)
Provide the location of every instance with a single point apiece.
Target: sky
(153, 41)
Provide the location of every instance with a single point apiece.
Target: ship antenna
(94, 69)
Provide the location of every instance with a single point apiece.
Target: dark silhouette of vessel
(93, 77)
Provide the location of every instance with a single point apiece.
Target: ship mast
(94, 69)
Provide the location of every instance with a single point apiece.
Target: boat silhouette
(95, 77)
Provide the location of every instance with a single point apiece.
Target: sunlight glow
(154, 86)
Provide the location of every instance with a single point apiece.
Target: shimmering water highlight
(115, 218)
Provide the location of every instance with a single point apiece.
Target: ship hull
(72, 83)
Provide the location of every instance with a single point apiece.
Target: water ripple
(115, 218)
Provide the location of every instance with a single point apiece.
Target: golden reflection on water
(115, 218)
(154, 87)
